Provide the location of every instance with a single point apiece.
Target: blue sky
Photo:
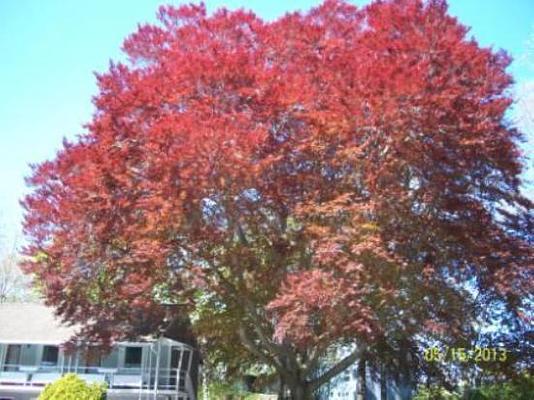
(50, 48)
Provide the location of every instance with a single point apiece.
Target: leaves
(324, 178)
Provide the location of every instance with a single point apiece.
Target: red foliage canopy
(326, 177)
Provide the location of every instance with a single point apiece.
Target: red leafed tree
(340, 176)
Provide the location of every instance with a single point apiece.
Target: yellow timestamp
(462, 354)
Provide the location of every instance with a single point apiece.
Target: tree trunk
(282, 389)
(361, 383)
(383, 383)
(300, 391)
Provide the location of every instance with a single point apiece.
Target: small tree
(14, 285)
(72, 387)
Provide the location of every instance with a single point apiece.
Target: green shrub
(226, 391)
(223, 391)
(434, 393)
(72, 387)
(515, 389)
(520, 389)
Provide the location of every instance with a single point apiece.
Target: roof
(31, 323)
(28, 323)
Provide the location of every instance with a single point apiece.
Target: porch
(158, 369)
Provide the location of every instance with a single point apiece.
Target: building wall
(111, 360)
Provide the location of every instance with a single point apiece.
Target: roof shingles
(25, 323)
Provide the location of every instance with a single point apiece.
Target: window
(132, 357)
(50, 355)
(12, 357)
(185, 360)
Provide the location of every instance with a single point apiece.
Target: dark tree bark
(282, 389)
(361, 383)
(383, 382)
(300, 391)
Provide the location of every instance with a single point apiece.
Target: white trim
(3, 352)
(34, 343)
(121, 355)
(37, 389)
(165, 340)
(156, 378)
(39, 353)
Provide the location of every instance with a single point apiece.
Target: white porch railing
(145, 380)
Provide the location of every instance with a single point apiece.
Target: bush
(434, 393)
(72, 387)
(520, 389)
(223, 391)
(226, 391)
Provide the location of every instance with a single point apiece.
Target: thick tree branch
(313, 360)
(256, 350)
(337, 369)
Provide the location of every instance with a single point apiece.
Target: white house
(32, 355)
